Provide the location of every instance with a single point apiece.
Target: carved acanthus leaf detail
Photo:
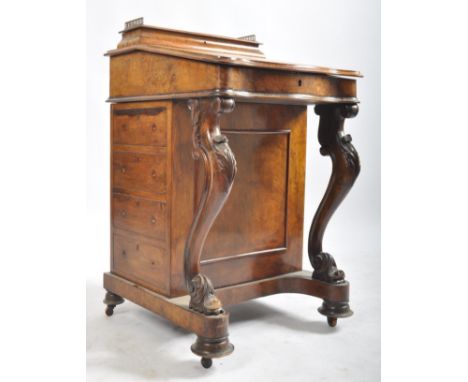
(224, 157)
(325, 269)
(202, 296)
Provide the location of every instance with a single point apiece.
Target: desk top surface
(242, 51)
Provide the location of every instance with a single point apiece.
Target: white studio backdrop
(340, 34)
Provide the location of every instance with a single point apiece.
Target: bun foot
(209, 348)
(206, 362)
(332, 321)
(335, 310)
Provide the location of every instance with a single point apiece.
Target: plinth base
(212, 330)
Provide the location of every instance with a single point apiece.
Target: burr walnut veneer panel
(261, 190)
(258, 233)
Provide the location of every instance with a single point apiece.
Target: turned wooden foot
(335, 310)
(209, 348)
(112, 300)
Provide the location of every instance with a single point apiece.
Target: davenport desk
(208, 144)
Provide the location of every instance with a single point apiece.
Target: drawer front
(134, 171)
(140, 126)
(139, 261)
(140, 215)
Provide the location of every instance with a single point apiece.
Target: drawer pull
(153, 174)
(153, 127)
(123, 169)
(124, 253)
(153, 220)
(124, 213)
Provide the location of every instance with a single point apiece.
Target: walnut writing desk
(207, 166)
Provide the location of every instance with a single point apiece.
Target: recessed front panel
(258, 232)
(254, 216)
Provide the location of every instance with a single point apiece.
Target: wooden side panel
(258, 233)
(183, 194)
(139, 74)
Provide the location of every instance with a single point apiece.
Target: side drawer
(139, 261)
(140, 126)
(140, 215)
(134, 171)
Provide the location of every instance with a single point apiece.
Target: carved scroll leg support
(219, 164)
(345, 169)
(112, 300)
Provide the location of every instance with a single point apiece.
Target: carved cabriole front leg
(213, 149)
(346, 167)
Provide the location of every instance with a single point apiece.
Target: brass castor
(206, 362)
(110, 310)
(332, 321)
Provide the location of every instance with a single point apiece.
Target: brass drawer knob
(123, 169)
(153, 220)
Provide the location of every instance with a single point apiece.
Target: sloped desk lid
(242, 51)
